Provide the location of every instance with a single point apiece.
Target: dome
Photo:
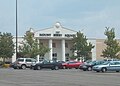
(57, 25)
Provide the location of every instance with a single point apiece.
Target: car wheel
(97, 71)
(89, 68)
(23, 66)
(117, 71)
(38, 68)
(34, 68)
(84, 69)
(15, 67)
(104, 69)
(56, 67)
(76, 68)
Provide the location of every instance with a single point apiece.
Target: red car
(71, 64)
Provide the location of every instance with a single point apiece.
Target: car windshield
(87, 62)
(91, 63)
(105, 63)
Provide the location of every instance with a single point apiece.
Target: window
(67, 55)
(45, 61)
(53, 45)
(112, 63)
(54, 55)
(67, 59)
(72, 62)
(20, 60)
(66, 45)
(28, 60)
(117, 63)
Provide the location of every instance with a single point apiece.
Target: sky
(89, 16)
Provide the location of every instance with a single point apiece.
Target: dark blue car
(54, 65)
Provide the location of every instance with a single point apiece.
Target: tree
(112, 50)
(30, 46)
(81, 47)
(6, 46)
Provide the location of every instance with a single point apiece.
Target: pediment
(56, 29)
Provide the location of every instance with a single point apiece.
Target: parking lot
(67, 77)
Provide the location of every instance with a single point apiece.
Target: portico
(59, 48)
(58, 39)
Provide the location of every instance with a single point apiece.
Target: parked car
(84, 63)
(23, 63)
(61, 62)
(54, 65)
(108, 66)
(7, 64)
(0, 64)
(90, 65)
(71, 64)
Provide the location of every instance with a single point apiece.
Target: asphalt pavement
(62, 77)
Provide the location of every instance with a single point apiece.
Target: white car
(23, 63)
(108, 66)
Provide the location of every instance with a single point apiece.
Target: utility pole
(16, 32)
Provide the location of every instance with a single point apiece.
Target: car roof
(114, 61)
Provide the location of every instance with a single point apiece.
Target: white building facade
(58, 39)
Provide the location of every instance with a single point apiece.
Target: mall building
(58, 39)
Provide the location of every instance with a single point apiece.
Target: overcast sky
(89, 16)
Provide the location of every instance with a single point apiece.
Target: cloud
(93, 16)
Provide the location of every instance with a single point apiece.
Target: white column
(50, 46)
(14, 57)
(38, 56)
(63, 50)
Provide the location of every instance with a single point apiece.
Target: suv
(23, 63)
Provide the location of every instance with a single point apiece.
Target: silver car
(23, 63)
(108, 66)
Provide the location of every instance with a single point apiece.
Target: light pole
(16, 32)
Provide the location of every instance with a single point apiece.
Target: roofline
(69, 29)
